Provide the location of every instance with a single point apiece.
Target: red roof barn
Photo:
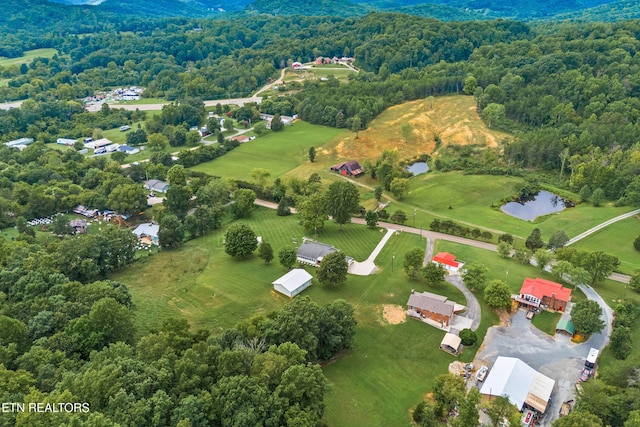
(351, 168)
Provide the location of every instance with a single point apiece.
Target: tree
(399, 187)
(585, 193)
(507, 238)
(60, 225)
(170, 232)
(469, 85)
(119, 157)
(561, 269)
(580, 276)
(287, 257)
(377, 193)
(337, 326)
(413, 260)
(468, 337)
(312, 154)
(356, 125)
(448, 390)
(260, 129)
(597, 197)
(543, 257)
(534, 241)
(599, 264)
(585, 316)
(157, 142)
(433, 273)
(260, 176)
(220, 138)
(500, 409)
(283, 208)
(634, 282)
(579, 419)
(333, 269)
(297, 322)
(399, 217)
(342, 199)
(636, 243)
(475, 276)
(493, 113)
(620, 343)
(177, 175)
(558, 240)
(204, 219)
(498, 295)
(424, 415)
(313, 212)
(371, 217)
(265, 252)
(468, 415)
(244, 199)
(407, 131)
(504, 249)
(240, 240)
(177, 200)
(276, 123)
(128, 198)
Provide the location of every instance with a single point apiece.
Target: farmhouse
(430, 308)
(351, 168)
(311, 252)
(147, 233)
(79, 226)
(447, 261)
(520, 383)
(541, 293)
(292, 283)
(156, 185)
(451, 343)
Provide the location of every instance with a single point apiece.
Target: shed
(292, 283)
(351, 168)
(79, 226)
(519, 382)
(565, 326)
(451, 343)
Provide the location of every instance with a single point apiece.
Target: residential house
(147, 233)
(79, 226)
(312, 252)
(447, 261)
(20, 143)
(66, 141)
(545, 294)
(351, 168)
(430, 307)
(99, 143)
(156, 185)
(292, 283)
(128, 150)
(111, 148)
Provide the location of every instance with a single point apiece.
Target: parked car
(586, 374)
(482, 374)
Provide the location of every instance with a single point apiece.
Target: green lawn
(391, 366)
(546, 321)
(278, 152)
(617, 239)
(115, 104)
(4, 82)
(28, 56)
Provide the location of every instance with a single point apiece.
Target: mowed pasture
(617, 239)
(28, 56)
(376, 381)
(277, 152)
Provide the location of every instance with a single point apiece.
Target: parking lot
(556, 357)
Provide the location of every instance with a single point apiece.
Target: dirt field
(394, 314)
(453, 118)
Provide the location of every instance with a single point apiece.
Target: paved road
(602, 225)
(9, 105)
(473, 306)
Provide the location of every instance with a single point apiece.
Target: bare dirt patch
(394, 314)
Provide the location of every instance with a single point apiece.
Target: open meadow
(391, 366)
(28, 56)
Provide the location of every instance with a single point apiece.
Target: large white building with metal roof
(519, 382)
(292, 283)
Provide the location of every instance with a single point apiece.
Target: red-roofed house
(447, 261)
(540, 293)
(351, 168)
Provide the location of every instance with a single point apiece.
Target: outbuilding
(451, 343)
(447, 261)
(292, 283)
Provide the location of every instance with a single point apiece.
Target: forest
(568, 93)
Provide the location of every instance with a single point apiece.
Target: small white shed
(292, 283)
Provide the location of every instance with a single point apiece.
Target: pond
(542, 203)
(418, 168)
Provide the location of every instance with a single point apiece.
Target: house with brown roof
(431, 308)
(543, 294)
(351, 168)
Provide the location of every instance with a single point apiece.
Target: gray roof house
(312, 252)
(430, 307)
(147, 233)
(292, 283)
(156, 185)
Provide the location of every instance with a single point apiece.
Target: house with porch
(431, 308)
(543, 294)
(447, 261)
(311, 252)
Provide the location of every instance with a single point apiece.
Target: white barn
(292, 283)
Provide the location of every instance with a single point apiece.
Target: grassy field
(546, 321)
(28, 56)
(278, 152)
(617, 239)
(375, 381)
(4, 82)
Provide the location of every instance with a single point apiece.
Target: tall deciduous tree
(371, 217)
(558, 239)
(474, 276)
(399, 187)
(177, 200)
(585, 316)
(337, 326)
(313, 213)
(534, 241)
(448, 391)
(356, 125)
(177, 175)
(413, 260)
(240, 240)
(543, 257)
(433, 273)
(498, 295)
(500, 408)
(265, 252)
(333, 269)
(128, 198)
(287, 257)
(342, 199)
(312, 154)
(244, 199)
(468, 410)
(170, 232)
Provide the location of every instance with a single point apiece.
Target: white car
(482, 374)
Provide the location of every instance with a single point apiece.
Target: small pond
(418, 168)
(542, 203)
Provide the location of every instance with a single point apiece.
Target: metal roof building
(292, 283)
(519, 382)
